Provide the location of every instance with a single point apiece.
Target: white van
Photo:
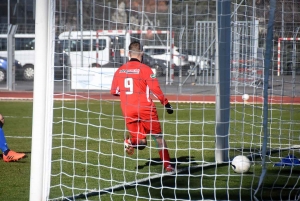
(25, 54)
(82, 48)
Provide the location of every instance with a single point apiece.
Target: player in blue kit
(8, 155)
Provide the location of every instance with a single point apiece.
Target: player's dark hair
(135, 46)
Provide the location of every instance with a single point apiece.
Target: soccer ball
(241, 164)
(245, 97)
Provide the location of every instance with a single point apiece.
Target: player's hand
(169, 108)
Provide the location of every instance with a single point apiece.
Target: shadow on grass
(183, 160)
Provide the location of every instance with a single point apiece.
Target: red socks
(163, 153)
(165, 157)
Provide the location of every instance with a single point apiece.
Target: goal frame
(279, 52)
(40, 180)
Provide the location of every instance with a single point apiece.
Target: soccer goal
(229, 140)
(287, 55)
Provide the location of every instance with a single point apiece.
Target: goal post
(222, 69)
(42, 103)
(279, 53)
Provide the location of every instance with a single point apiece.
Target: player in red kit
(133, 82)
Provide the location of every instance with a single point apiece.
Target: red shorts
(139, 126)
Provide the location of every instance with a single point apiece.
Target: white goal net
(214, 62)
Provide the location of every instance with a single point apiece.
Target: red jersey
(134, 81)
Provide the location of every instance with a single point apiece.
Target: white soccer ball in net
(241, 164)
(245, 97)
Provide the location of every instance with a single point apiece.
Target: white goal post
(42, 102)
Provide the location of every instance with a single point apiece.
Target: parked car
(163, 53)
(3, 69)
(159, 65)
(204, 63)
(25, 50)
(62, 61)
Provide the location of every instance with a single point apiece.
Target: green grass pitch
(88, 153)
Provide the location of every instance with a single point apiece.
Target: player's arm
(153, 84)
(115, 89)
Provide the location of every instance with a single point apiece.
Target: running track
(21, 95)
